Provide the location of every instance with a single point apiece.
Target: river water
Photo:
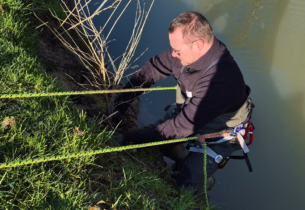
(266, 38)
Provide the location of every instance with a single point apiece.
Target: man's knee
(176, 151)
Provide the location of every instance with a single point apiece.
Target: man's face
(188, 53)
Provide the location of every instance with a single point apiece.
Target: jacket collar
(216, 51)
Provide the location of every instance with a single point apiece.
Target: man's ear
(200, 44)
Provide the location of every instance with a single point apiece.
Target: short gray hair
(195, 26)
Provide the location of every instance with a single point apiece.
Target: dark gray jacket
(220, 90)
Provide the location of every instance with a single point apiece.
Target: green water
(266, 39)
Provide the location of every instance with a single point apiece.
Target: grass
(37, 127)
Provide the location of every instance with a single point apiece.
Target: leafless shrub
(94, 58)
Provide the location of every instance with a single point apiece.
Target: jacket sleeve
(210, 101)
(155, 69)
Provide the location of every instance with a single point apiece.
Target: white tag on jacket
(189, 94)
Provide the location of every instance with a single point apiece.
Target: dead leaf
(78, 132)
(8, 121)
(101, 201)
(12, 122)
(5, 122)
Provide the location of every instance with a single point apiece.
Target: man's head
(190, 36)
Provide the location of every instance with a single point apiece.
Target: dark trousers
(190, 172)
(189, 168)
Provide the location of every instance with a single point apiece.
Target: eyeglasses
(178, 52)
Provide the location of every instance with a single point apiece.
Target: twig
(108, 117)
(135, 158)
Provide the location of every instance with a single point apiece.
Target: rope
(88, 153)
(94, 152)
(205, 175)
(29, 95)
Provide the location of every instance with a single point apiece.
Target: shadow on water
(277, 153)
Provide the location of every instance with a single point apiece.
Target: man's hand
(122, 103)
(120, 107)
